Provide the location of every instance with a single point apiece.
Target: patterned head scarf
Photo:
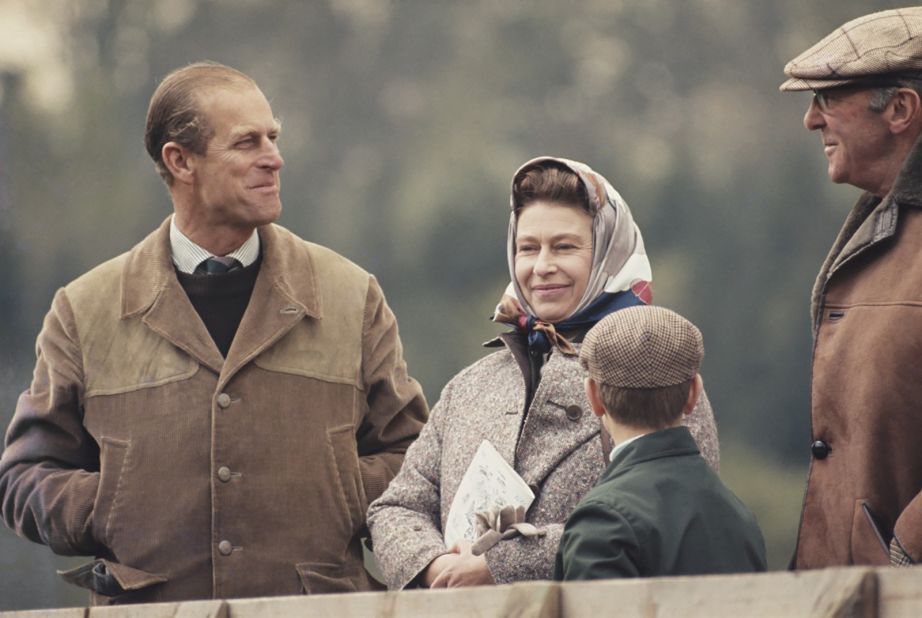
(619, 261)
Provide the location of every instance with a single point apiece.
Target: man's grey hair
(881, 96)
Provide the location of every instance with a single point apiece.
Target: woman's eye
(526, 248)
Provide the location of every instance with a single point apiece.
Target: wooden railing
(834, 593)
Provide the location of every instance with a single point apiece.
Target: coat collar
(672, 442)
(285, 291)
(870, 221)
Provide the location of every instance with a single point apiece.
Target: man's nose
(272, 157)
(813, 119)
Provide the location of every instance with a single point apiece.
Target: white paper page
(488, 482)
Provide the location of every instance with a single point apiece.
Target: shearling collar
(870, 221)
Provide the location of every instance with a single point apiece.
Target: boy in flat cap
(862, 503)
(658, 509)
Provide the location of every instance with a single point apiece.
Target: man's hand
(465, 569)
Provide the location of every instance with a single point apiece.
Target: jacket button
(820, 449)
(224, 400)
(574, 412)
(225, 548)
(224, 473)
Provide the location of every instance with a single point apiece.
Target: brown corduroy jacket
(866, 472)
(189, 475)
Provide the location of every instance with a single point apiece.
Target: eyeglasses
(826, 98)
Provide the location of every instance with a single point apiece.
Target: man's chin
(268, 214)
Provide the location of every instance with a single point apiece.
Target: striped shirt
(187, 255)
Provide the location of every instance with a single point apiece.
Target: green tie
(217, 266)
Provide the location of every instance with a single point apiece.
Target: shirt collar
(187, 255)
(621, 445)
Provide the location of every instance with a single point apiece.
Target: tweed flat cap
(642, 347)
(888, 43)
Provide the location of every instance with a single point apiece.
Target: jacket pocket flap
(325, 578)
(110, 578)
(869, 545)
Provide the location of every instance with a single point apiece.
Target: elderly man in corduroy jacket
(863, 503)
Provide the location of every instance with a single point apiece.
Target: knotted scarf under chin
(544, 336)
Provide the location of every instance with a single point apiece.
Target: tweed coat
(558, 455)
(659, 510)
(866, 472)
(189, 475)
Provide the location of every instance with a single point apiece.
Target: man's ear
(594, 397)
(904, 110)
(694, 392)
(179, 161)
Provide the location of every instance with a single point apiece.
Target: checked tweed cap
(888, 43)
(642, 347)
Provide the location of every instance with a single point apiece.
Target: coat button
(820, 449)
(224, 473)
(225, 548)
(224, 400)
(574, 413)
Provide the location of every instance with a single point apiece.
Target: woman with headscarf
(575, 255)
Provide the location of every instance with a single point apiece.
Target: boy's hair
(655, 408)
(644, 360)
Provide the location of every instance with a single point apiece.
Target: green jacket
(659, 510)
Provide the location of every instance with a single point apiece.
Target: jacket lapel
(549, 434)
(151, 290)
(282, 296)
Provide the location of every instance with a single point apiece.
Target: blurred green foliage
(403, 122)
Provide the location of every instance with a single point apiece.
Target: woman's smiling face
(553, 257)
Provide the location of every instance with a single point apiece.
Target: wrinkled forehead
(237, 108)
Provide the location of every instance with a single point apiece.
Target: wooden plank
(528, 600)
(70, 612)
(900, 592)
(187, 609)
(832, 593)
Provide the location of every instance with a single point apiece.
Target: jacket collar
(672, 442)
(285, 291)
(870, 221)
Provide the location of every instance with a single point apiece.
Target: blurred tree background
(403, 122)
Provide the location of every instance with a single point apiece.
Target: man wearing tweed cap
(658, 509)
(862, 503)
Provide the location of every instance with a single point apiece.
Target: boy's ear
(694, 392)
(594, 397)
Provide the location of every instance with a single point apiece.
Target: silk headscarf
(620, 275)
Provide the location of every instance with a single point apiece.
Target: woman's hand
(462, 569)
(438, 565)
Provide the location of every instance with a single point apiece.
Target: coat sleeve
(906, 547)
(406, 521)
(703, 429)
(49, 468)
(597, 543)
(395, 408)
(525, 558)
